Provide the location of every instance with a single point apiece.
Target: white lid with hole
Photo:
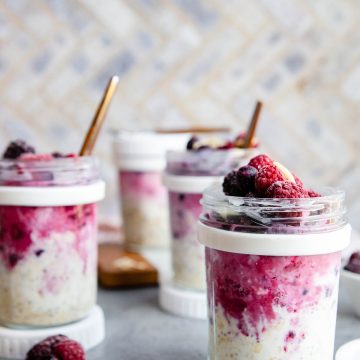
(52, 195)
(274, 244)
(189, 184)
(145, 150)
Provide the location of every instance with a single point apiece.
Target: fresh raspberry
(230, 184)
(312, 193)
(260, 161)
(354, 263)
(44, 349)
(266, 176)
(69, 350)
(297, 180)
(246, 179)
(17, 148)
(285, 190)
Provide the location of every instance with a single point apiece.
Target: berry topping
(312, 193)
(266, 176)
(260, 161)
(285, 190)
(230, 185)
(297, 180)
(246, 179)
(43, 349)
(287, 175)
(36, 157)
(17, 148)
(58, 347)
(354, 263)
(191, 142)
(69, 350)
(240, 182)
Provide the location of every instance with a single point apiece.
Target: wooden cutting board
(120, 268)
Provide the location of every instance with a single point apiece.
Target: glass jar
(140, 157)
(187, 175)
(272, 274)
(48, 240)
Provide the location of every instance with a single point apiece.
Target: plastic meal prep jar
(272, 274)
(140, 157)
(187, 175)
(48, 240)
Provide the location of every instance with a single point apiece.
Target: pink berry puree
(257, 298)
(188, 254)
(144, 207)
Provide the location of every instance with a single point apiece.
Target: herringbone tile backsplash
(186, 62)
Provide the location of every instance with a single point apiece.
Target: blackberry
(246, 180)
(16, 149)
(230, 184)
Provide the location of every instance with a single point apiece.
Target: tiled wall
(189, 62)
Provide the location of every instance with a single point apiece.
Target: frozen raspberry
(17, 148)
(266, 176)
(69, 350)
(260, 161)
(285, 190)
(246, 179)
(297, 180)
(354, 263)
(312, 193)
(44, 349)
(230, 184)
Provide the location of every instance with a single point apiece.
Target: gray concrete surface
(138, 330)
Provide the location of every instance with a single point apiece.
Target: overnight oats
(273, 253)
(140, 158)
(48, 237)
(187, 174)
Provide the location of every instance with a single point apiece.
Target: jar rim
(78, 170)
(274, 215)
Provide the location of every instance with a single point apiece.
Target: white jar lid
(274, 244)
(189, 184)
(145, 150)
(183, 302)
(52, 195)
(89, 332)
(349, 351)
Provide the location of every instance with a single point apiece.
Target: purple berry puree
(24, 230)
(252, 289)
(185, 210)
